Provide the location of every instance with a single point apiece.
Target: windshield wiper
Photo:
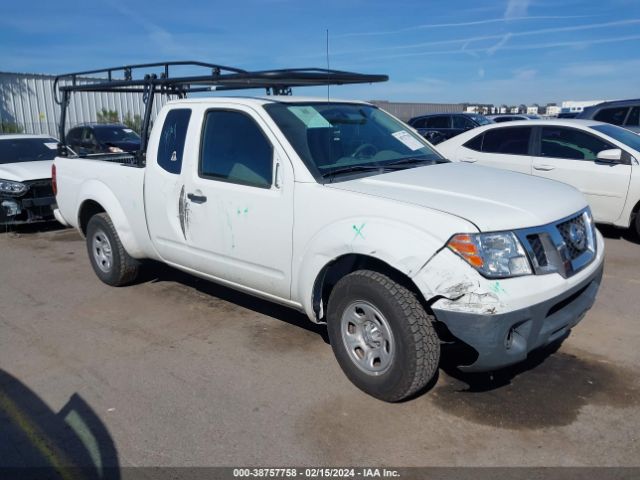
(354, 168)
(394, 165)
(414, 161)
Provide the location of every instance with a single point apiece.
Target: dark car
(508, 117)
(567, 114)
(624, 113)
(438, 127)
(103, 138)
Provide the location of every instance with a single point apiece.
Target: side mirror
(613, 155)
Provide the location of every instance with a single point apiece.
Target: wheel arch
(345, 264)
(95, 197)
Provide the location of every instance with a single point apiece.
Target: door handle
(196, 198)
(543, 167)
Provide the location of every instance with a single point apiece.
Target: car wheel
(636, 224)
(112, 264)
(381, 335)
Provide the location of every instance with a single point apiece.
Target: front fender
(400, 245)
(98, 192)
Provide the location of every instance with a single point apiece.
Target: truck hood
(23, 171)
(489, 198)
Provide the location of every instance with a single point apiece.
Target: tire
(381, 336)
(109, 259)
(636, 225)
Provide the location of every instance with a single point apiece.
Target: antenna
(328, 65)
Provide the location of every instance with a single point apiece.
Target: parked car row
(26, 194)
(439, 127)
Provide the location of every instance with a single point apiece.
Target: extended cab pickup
(341, 211)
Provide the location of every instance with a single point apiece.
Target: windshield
(15, 150)
(620, 134)
(480, 119)
(116, 134)
(334, 138)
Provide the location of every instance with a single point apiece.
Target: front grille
(574, 234)
(565, 247)
(39, 189)
(537, 247)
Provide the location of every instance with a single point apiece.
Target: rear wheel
(381, 336)
(636, 224)
(112, 264)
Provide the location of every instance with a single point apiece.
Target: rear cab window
(172, 140)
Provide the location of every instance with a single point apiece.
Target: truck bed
(111, 181)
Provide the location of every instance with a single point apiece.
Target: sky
(491, 51)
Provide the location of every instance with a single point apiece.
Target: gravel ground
(176, 371)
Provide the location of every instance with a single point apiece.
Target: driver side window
(234, 149)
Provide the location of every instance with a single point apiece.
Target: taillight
(54, 184)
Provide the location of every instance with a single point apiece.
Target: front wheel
(381, 335)
(112, 264)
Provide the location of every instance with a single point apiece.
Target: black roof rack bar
(165, 65)
(217, 78)
(262, 79)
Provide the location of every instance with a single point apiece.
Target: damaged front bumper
(35, 205)
(503, 321)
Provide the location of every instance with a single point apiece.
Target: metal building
(27, 104)
(406, 110)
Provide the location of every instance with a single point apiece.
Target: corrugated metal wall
(405, 110)
(27, 100)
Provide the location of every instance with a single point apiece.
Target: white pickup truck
(339, 210)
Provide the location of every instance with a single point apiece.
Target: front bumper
(503, 339)
(17, 210)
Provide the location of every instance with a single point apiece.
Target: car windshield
(480, 119)
(15, 150)
(116, 134)
(620, 134)
(335, 138)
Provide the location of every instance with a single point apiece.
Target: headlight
(494, 255)
(12, 188)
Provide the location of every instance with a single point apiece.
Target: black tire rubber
(417, 351)
(636, 224)
(125, 268)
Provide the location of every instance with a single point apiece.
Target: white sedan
(599, 159)
(26, 193)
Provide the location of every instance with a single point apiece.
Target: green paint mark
(229, 224)
(239, 212)
(358, 231)
(497, 288)
(246, 210)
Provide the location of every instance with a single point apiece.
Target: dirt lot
(177, 371)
